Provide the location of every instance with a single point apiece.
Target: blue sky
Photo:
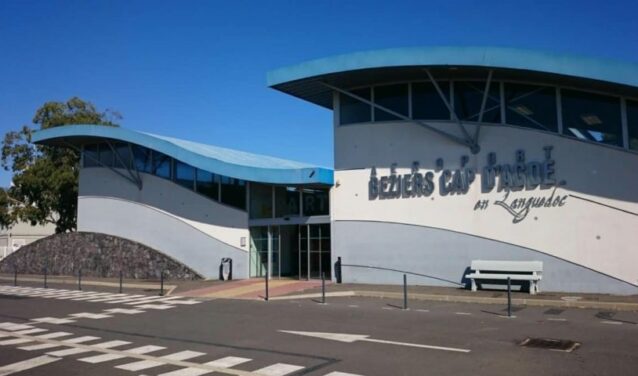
(197, 69)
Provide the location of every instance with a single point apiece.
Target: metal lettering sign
(522, 175)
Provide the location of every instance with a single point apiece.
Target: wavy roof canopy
(403, 64)
(223, 161)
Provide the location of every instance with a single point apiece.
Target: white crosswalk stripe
(88, 315)
(79, 350)
(227, 362)
(156, 306)
(279, 369)
(26, 365)
(124, 311)
(108, 357)
(14, 326)
(146, 364)
(44, 346)
(342, 374)
(95, 297)
(53, 320)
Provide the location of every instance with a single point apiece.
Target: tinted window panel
(90, 156)
(315, 202)
(427, 103)
(122, 156)
(392, 97)
(260, 201)
(468, 97)
(632, 122)
(531, 106)
(208, 184)
(106, 155)
(233, 192)
(184, 174)
(591, 117)
(353, 110)
(142, 159)
(287, 202)
(161, 165)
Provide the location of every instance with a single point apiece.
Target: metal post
(120, 281)
(323, 288)
(80, 279)
(162, 283)
(405, 291)
(267, 274)
(338, 270)
(45, 277)
(509, 297)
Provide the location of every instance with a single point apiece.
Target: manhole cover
(551, 344)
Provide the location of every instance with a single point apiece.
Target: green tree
(45, 178)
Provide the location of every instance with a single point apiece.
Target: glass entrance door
(314, 251)
(264, 251)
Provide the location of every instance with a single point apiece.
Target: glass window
(184, 174)
(592, 117)
(233, 192)
(106, 155)
(427, 103)
(632, 123)
(286, 202)
(208, 184)
(123, 155)
(392, 97)
(260, 201)
(353, 110)
(316, 202)
(468, 97)
(90, 156)
(142, 159)
(531, 106)
(161, 165)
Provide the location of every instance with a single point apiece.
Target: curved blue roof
(493, 57)
(307, 80)
(223, 161)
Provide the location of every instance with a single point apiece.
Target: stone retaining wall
(98, 255)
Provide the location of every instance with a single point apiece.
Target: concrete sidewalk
(459, 295)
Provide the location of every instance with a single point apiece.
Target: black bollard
(338, 270)
(323, 288)
(120, 281)
(80, 279)
(162, 283)
(267, 285)
(405, 292)
(45, 277)
(509, 297)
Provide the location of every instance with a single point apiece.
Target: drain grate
(554, 311)
(550, 344)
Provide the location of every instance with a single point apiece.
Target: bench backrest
(507, 266)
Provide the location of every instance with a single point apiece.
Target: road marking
(155, 306)
(124, 311)
(153, 299)
(52, 335)
(186, 302)
(44, 346)
(146, 364)
(127, 299)
(26, 365)
(14, 326)
(88, 315)
(342, 374)
(278, 369)
(53, 320)
(227, 362)
(556, 319)
(353, 306)
(110, 297)
(15, 341)
(80, 350)
(387, 308)
(93, 296)
(611, 322)
(463, 313)
(108, 357)
(350, 338)
(31, 331)
(420, 310)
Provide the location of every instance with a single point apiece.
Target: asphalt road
(123, 335)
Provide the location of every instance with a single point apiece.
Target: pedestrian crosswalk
(134, 300)
(127, 356)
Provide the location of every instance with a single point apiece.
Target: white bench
(500, 270)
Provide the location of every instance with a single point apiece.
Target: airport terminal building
(442, 156)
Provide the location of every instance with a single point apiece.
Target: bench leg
(533, 288)
(473, 285)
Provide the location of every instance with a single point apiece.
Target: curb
(68, 281)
